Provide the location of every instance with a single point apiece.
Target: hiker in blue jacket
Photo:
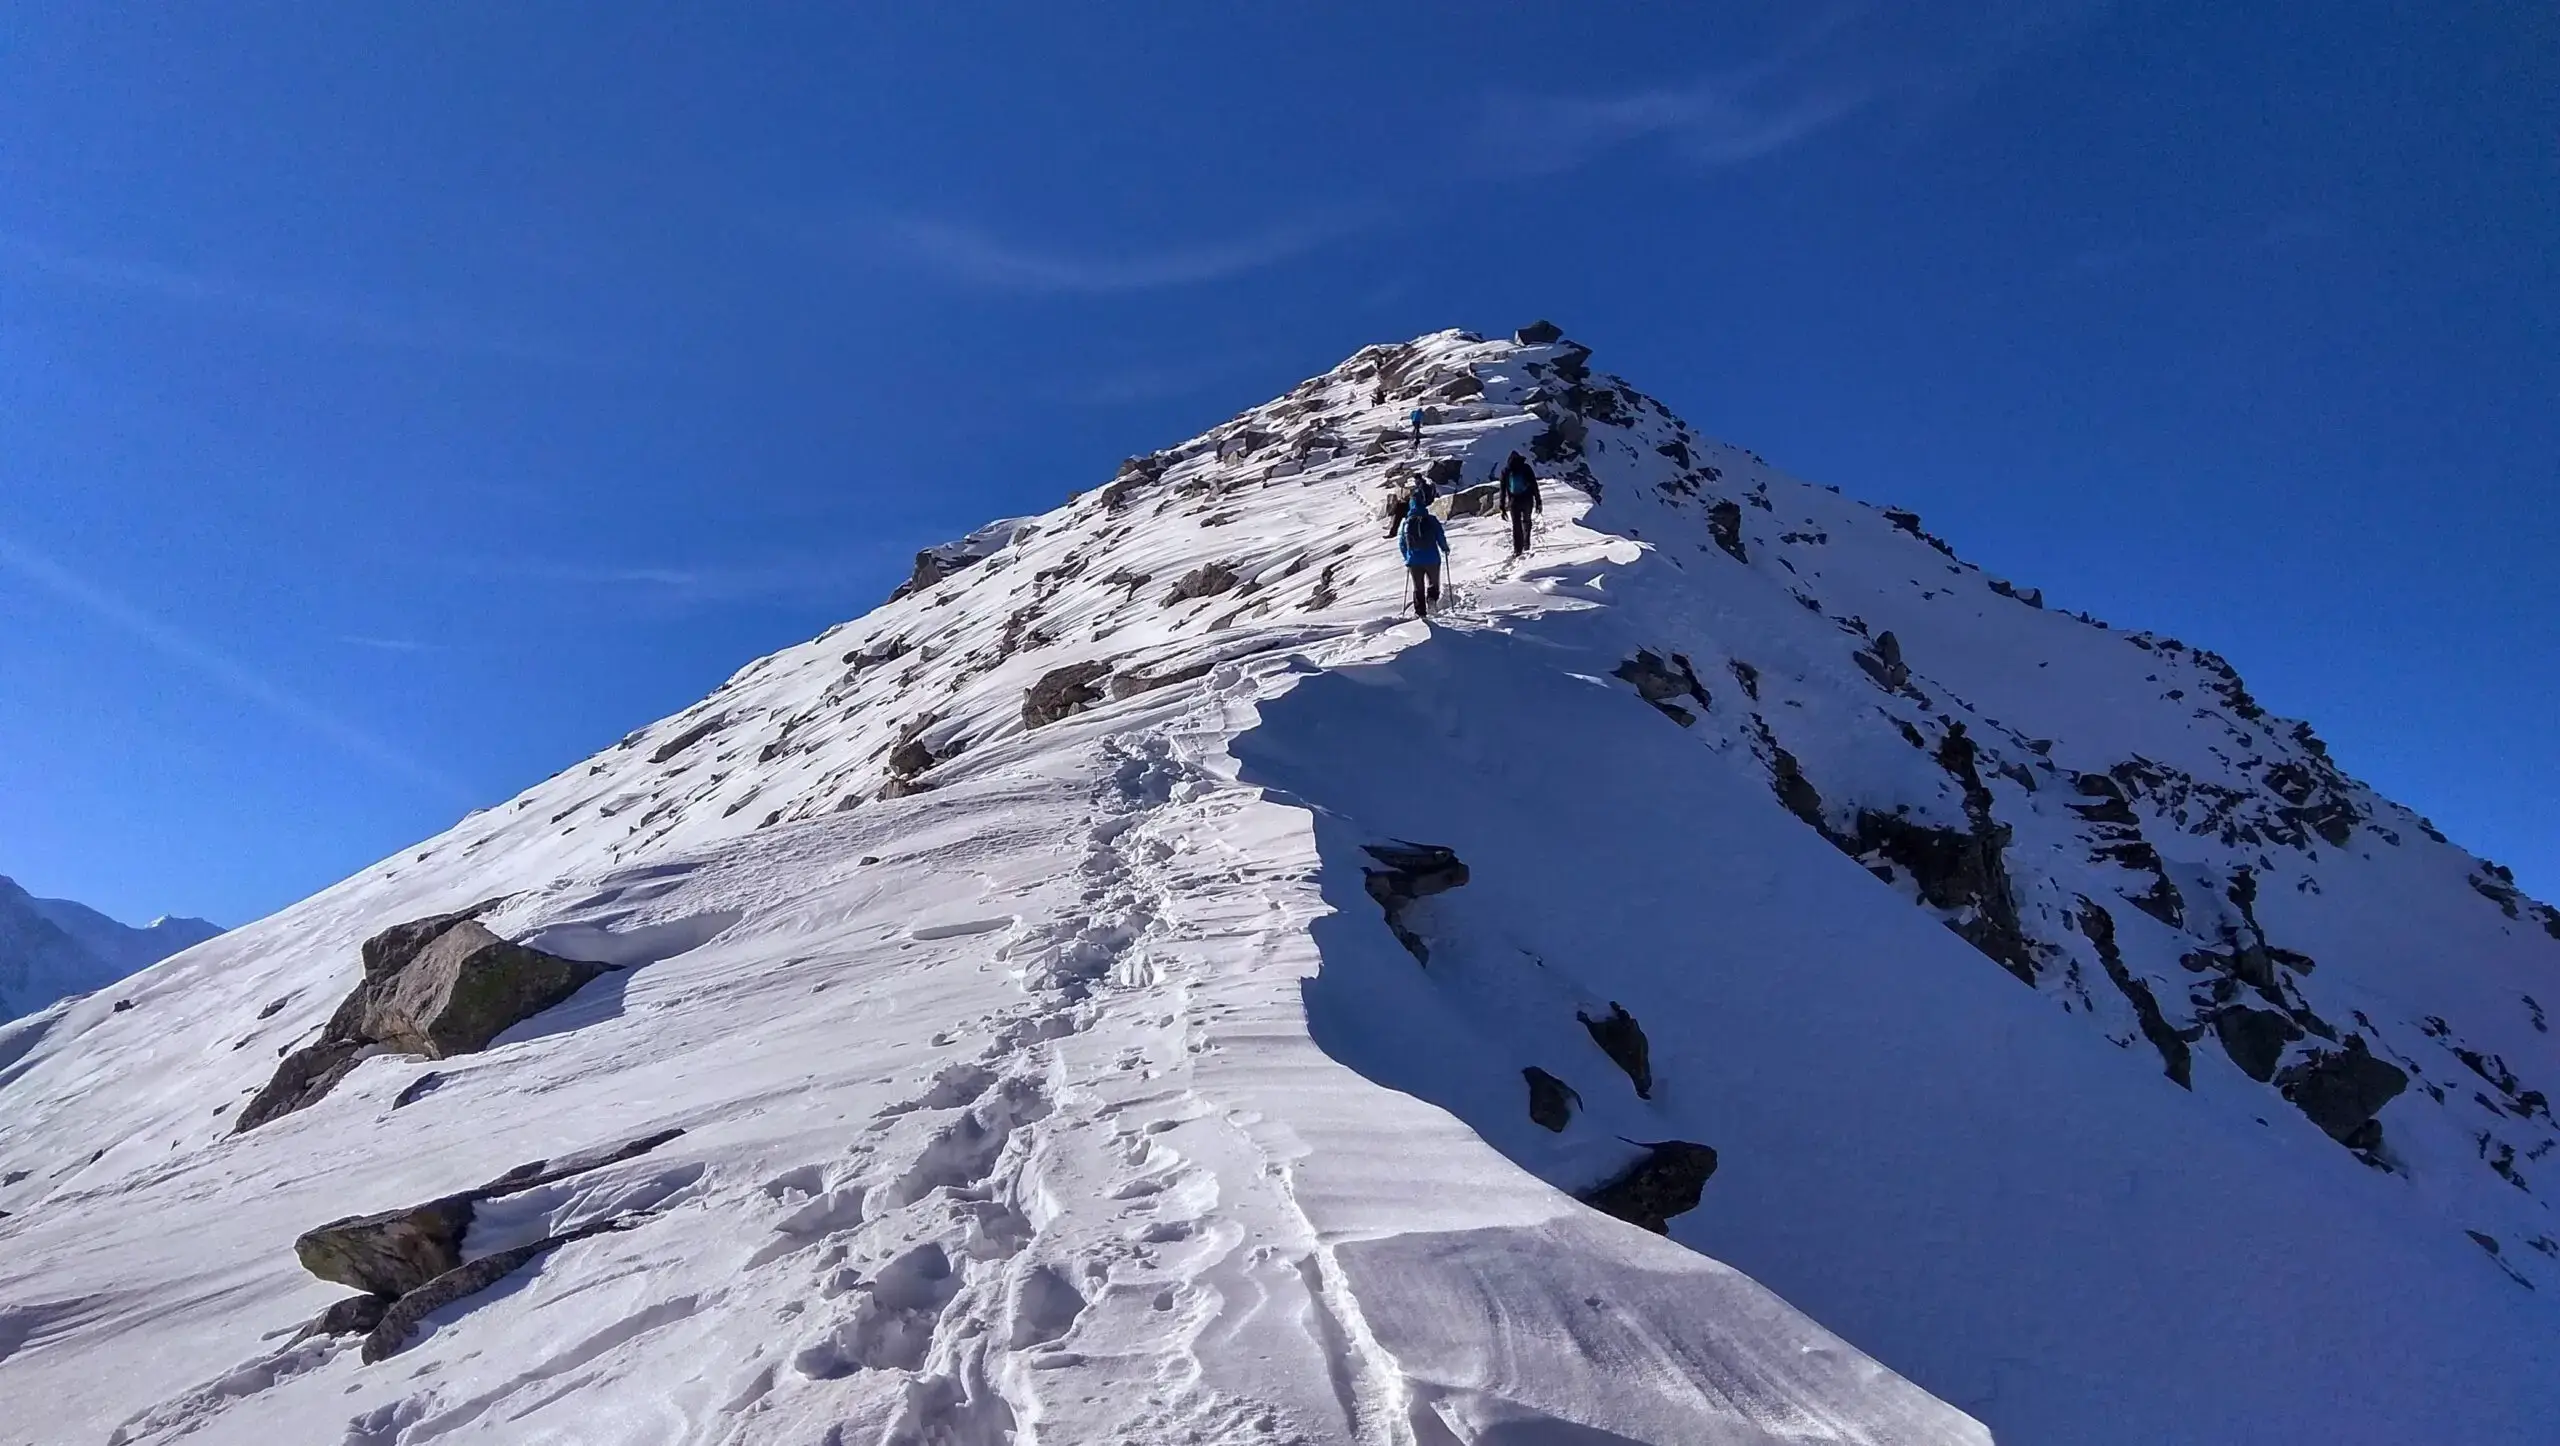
(1424, 543)
(1520, 500)
(1416, 418)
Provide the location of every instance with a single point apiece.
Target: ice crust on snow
(1065, 1083)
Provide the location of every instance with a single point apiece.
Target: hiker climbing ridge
(1520, 501)
(1424, 543)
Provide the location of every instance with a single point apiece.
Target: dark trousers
(1520, 517)
(1426, 585)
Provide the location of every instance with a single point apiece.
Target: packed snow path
(1047, 1075)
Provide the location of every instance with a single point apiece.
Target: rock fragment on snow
(1207, 580)
(1412, 872)
(1551, 1101)
(1622, 1039)
(1658, 682)
(1665, 1183)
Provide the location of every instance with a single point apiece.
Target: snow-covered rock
(2053, 1044)
(52, 948)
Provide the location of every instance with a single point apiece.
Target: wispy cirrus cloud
(978, 257)
(1844, 62)
(387, 645)
(686, 585)
(331, 316)
(213, 664)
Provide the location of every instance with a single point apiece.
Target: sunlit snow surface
(1081, 1095)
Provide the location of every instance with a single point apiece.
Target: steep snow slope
(50, 948)
(1048, 1074)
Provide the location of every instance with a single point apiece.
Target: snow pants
(1520, 518)
(1426, 585)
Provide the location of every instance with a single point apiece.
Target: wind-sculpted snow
(1049, 1070)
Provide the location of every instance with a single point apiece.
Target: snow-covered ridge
(1048, 1071)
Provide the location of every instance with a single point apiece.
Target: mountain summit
(1737, 974)
(50, 948)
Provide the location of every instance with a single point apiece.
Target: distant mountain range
(51, 948)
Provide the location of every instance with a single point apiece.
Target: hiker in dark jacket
(1424, 543)
(1520, 500)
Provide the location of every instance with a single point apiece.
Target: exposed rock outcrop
(1959, 871)
(1551, 1101)
(1664, 1184)
(2343, 1090)
(1207, 580)
(1883, 661)
(1063, 692)
(400, 1320)
(1658, 682)
(1622, 1039)
(392, 1252)
(2176, 1059)
(2255, 1039)
(414, 1261)
(436, 987)
(1541, 332)
(1724, 524)
(1411, 872)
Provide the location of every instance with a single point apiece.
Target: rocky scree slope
(1135, 984)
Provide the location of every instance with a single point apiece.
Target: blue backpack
(1420, 538)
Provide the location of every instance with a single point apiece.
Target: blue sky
(399, 403)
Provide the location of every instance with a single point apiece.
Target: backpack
(1420, 536)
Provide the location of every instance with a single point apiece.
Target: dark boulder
(390, 1253)
(1481, 500)
(1622, 1039)
(401, 1320)
(1551, 1101)
(464, 990)
(2255, 1039)
(2341, 1091)
(1063, 692)
(1541, 332)
(1664, 1184)
(436, 987)
(1206, 580)
(410, 1263)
